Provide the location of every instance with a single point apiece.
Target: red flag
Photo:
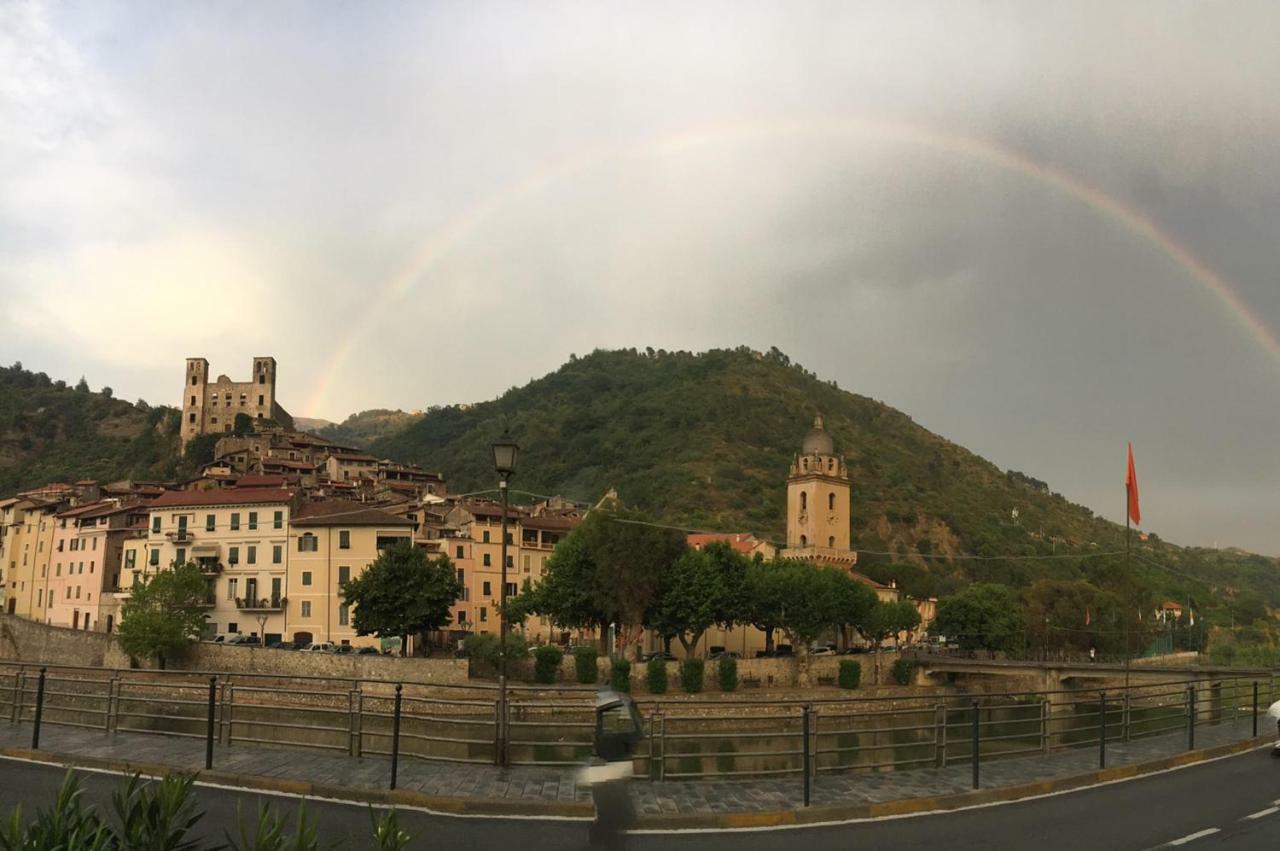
(1131, 486)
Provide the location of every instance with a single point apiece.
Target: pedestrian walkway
(559, 785)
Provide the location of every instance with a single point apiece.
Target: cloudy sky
(1041, 230)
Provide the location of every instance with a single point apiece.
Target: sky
(1041, 230)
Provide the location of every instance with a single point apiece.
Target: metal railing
(684, 738)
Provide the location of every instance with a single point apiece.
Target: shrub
(482, 651)
(620, 674)
(902, 671)
(655, 676)
(546, 662)
(585, 665)
(850, 673)
(727, 673)
(691, 675)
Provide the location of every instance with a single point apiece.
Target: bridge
(1054, 675)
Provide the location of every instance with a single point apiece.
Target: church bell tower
(818, 502)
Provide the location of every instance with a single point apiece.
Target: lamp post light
(505, 452)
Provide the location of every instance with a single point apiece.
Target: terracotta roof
(289, 462)
(345, 513)
(1169, 604)
(81, 509)
(556, 523)
(743, 542)
(222, 496)
(352, 456)
(255, 481)
(866, 580)
(489, 509)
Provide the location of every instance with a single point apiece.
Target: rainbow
(1107, 206)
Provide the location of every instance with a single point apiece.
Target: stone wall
(22, 640)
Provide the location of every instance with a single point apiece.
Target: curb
(677, 821)
(381, 797)
(941, 803)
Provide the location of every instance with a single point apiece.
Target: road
(1204, 806)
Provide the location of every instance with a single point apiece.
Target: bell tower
(819, 500)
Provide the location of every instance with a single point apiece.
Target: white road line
(1260, 813)
(1192, 837)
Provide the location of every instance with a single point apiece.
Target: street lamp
(505, 452)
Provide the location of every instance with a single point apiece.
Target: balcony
(180, 536)
(266, 604)
(209, 567)
(209, 600)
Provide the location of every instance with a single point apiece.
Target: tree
(106, 392)
(763, 606)
(564, 596)
(703, 588)
(82, 386)
(812, 601)
(880, 623)
(243, 424)
(984, 615)
(403, 593)
(164, 613)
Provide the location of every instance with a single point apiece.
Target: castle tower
(263, 395)
(819, 500)
(193, 398)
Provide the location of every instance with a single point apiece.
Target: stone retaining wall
(22, 640)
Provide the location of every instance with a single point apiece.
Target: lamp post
(505, 452)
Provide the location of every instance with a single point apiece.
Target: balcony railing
(179, 536)
(209, 600)
(210, 568)
(266, 604)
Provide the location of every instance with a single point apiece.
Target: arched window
(804, 541)
(831, 542)
(831, 502)
(804, 500)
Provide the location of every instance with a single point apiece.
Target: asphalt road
(1146, 813)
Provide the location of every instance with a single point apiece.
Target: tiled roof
(222, 496)
(345, 513)
(743, 542)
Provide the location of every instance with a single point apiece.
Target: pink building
(85, 564)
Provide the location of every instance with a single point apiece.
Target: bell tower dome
(819, 500)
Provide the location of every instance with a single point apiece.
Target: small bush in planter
(655, 676)
(620, 674)
(691, 675)
(902, 671)
(585, 665)
(546, 662)
(850, 673)
(727, 673)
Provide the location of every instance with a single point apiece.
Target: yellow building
(29, 526)
(331, 543)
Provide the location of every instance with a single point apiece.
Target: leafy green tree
(765, 602)
(703, 588)
(984, 615)
(243, 424)
(165, 612)
(403, 593)
(565, 595)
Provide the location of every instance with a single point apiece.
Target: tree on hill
(982, 616)
(403, 593)
(243, 425)
(165, 612)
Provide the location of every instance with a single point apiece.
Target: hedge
(691, 675)
(727, 673)
(585, 665)
(902, 671)
(546, 662)
(850, 673)
(620, 674)
(655, 676)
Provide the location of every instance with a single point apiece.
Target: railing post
(1102, 729)
(113, 706)
(940, 736)
(1126, 719)
(804, 732)
(1255, 709)
(654, 720)
(355, 705)
(1191, 717)
(395, 737)
(208, 737)
(35, 732)
(976, 738)
(1045, 718)
(228, 703)
(662, 746)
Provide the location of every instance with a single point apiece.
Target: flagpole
(1128, 577)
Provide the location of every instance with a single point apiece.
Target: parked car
(725, 654)
(852, 651)
(822, 650)
(344, 650)
(783, 650)
(222, 637)
(368, 651)
(283, 645)
(244, 639)
(319, 647)
(658, 654)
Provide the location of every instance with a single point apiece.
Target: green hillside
(366, 427)
(51, 432)
(705, 441)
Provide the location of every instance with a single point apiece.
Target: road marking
(1192, 837)
(1260, 813)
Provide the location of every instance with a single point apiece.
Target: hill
(366, 427)
(52, 432)
(705, 441)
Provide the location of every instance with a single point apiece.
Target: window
(251, 554)
(487, 590)
(486, 560)
(804, 541)
(308, 543)
(462, 576)
(831, 502)
(344, 575)
(344, 615)
(462, 616)
(209, 522)
(512, 590)
(831, 542)
(306, 577)
(510, 540)
(344, 540)
(253, 520)
(306, 608)
(213, 420)
(277, 554)
(181, 557)
(235, 520)
(232, 586)
(233, 555)
(191, 418)
(526, 564)
(484, 614)
(277, 520)
(459, 552)
(233, 628)
(154, 560)
(486, 536)
(155, 524)
(260, 402)
(804, 500)
(131, 559)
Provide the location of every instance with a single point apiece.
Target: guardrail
(685, 739)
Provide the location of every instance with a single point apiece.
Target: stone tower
(211, 407)
(819, 500)
(193, 392)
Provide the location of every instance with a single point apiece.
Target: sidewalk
(485, 788)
